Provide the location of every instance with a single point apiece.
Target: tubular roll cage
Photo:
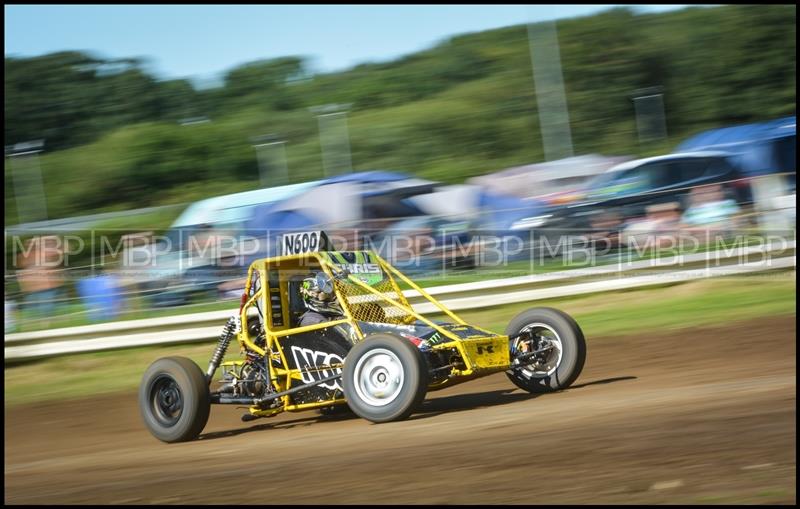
(282, 377)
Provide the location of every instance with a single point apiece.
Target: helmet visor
(324, 283)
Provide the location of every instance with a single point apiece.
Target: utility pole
(271, 153)
(650, 122)
(334, 138)
(27, 176)
(551, 99)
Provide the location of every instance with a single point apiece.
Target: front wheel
(384, 378)
(560, 342)
(174, 399)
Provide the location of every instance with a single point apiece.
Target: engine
(248, 379)
(251, 377)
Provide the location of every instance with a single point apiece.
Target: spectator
(10, 311)
(40, 280)
(658, 228)
(231, 276)
(605, 233)
(133, 270)
(709, 211)
(101, 295)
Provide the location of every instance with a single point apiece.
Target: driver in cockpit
(320, 300)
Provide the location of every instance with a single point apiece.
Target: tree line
(464, 107)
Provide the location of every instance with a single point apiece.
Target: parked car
(628, 189)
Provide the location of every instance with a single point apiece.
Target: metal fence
(205, 326)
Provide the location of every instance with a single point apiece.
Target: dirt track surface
(700, 416)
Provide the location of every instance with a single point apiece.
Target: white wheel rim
(553, 359)
(379, 377)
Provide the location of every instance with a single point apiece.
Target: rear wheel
(174, 399)
(562, 349)
(384, 378)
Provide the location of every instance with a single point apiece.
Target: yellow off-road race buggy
(379, 358)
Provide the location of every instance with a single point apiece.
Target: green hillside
(464, 107)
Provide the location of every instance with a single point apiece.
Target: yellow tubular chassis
(481, 352)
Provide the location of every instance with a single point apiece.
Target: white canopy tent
(456, 201)
(533, 180)
(234, 208)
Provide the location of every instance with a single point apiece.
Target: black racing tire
(573, 350)
(381, 363)
(174, 399)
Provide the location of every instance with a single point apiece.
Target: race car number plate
(304, 242)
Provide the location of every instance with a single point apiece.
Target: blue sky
(203, 41)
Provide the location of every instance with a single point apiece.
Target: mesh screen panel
(368, 307)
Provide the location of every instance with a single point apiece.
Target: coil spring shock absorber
(224, 340)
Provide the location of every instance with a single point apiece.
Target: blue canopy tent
(367, 177)
(501, 211)
(761, 148)
(384, 193)
(508, 217)
(265, 218)
(267, 225)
